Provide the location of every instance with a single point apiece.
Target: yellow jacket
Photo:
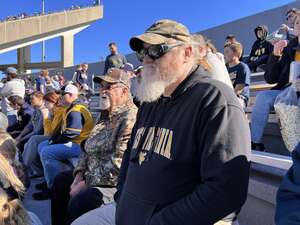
(54, 124)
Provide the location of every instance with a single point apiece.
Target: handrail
(271, 159)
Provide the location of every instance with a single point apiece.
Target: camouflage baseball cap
(113, 76)
(159, 32)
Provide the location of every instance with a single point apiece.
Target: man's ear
(188, 52)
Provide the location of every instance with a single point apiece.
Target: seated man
(238, 71)
(261, 49)
(187, 159)
(95, 177)
(24, 115)
(65, 144)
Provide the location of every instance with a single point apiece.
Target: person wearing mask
(95, 176)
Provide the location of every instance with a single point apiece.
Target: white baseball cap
(71, 89)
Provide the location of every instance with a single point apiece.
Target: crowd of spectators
(171, 144)
(24, 15)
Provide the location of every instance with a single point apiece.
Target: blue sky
(125, 18)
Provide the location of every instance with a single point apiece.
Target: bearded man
(187, 159)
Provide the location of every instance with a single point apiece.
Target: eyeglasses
(155, 51)
(108, 86)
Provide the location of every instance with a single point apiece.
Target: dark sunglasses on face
(105, 86)
(155, 51)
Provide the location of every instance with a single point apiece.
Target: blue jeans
(260, 114)
(288, 195)
(52, 157)
(30, 155)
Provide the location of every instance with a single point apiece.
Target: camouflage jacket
(101, 162)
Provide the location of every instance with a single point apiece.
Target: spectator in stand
(24, 115)
(187, 161)
(114, 59)
(81, 77)
(35, 126)
(210, 48)
(96, 174)
(230, 39)
(61, 80)
(65, 143)
(288, 195)
(211, 62)
(55, 83)
(11, 192)
(13, 87)
(40, 82)
(277, 72)
(52, 115)
(238, 71)
(261, 49)
(288, 28)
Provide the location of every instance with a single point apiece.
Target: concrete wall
(14, 33)
(244, 28)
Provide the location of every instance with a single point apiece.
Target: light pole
(43, 42)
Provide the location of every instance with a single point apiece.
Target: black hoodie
(261, 46)
(187, 159)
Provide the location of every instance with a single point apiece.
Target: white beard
(104, 102)
(152, 84)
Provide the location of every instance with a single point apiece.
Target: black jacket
(278, 68)
(187, 159)
(261, 46)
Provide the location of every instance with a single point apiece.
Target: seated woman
(277, 72)
(52, 114)
(11, 190)
(24, 115)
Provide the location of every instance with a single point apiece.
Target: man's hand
(284, 28)
(78, 178)
(279, 46)
(75, 189)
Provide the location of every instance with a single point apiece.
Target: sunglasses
(155, 51)
(108, 86)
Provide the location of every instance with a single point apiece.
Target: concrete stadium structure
(21, 34)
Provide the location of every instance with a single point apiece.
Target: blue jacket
(288, 195)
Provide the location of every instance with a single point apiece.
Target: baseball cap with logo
(70, 89)
(159, 32)
(113, 76)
